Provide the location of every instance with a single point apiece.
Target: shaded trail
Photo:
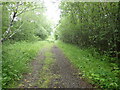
(61, 72)
(30, 79)
(69, 77)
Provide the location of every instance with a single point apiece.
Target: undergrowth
(95, 68)
(16, 58)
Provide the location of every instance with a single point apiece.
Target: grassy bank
(16, 58)
(94, 67)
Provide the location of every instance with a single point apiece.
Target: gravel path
(66, 75)
(30, 79)
(69, 77)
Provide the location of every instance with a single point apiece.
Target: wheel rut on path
(64, 75)
(30, 79)
(69, 77)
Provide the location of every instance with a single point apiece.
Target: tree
(22, 20)
(91, 25)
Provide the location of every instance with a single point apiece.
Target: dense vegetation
(23, 23)
(16, 58)
(93, 66)
(92, 25)
(91, 33)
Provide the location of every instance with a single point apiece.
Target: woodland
(88, 33)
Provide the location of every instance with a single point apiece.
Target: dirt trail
(64, 75)
(69, 77)
(30, 79)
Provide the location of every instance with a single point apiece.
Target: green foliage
(16, 58)
(91, 24)
(24, 21)
(45, 74)
(93, 66)
(6, 21)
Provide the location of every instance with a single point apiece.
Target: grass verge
(46, 74)
(15, 60)
(93, 68)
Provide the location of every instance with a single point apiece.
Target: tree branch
(22, 11)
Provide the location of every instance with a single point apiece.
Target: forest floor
(52, 69)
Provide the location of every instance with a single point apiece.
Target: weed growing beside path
(97, 71)
(15, 60)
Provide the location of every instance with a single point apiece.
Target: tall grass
(16, 58)
(94, 67)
